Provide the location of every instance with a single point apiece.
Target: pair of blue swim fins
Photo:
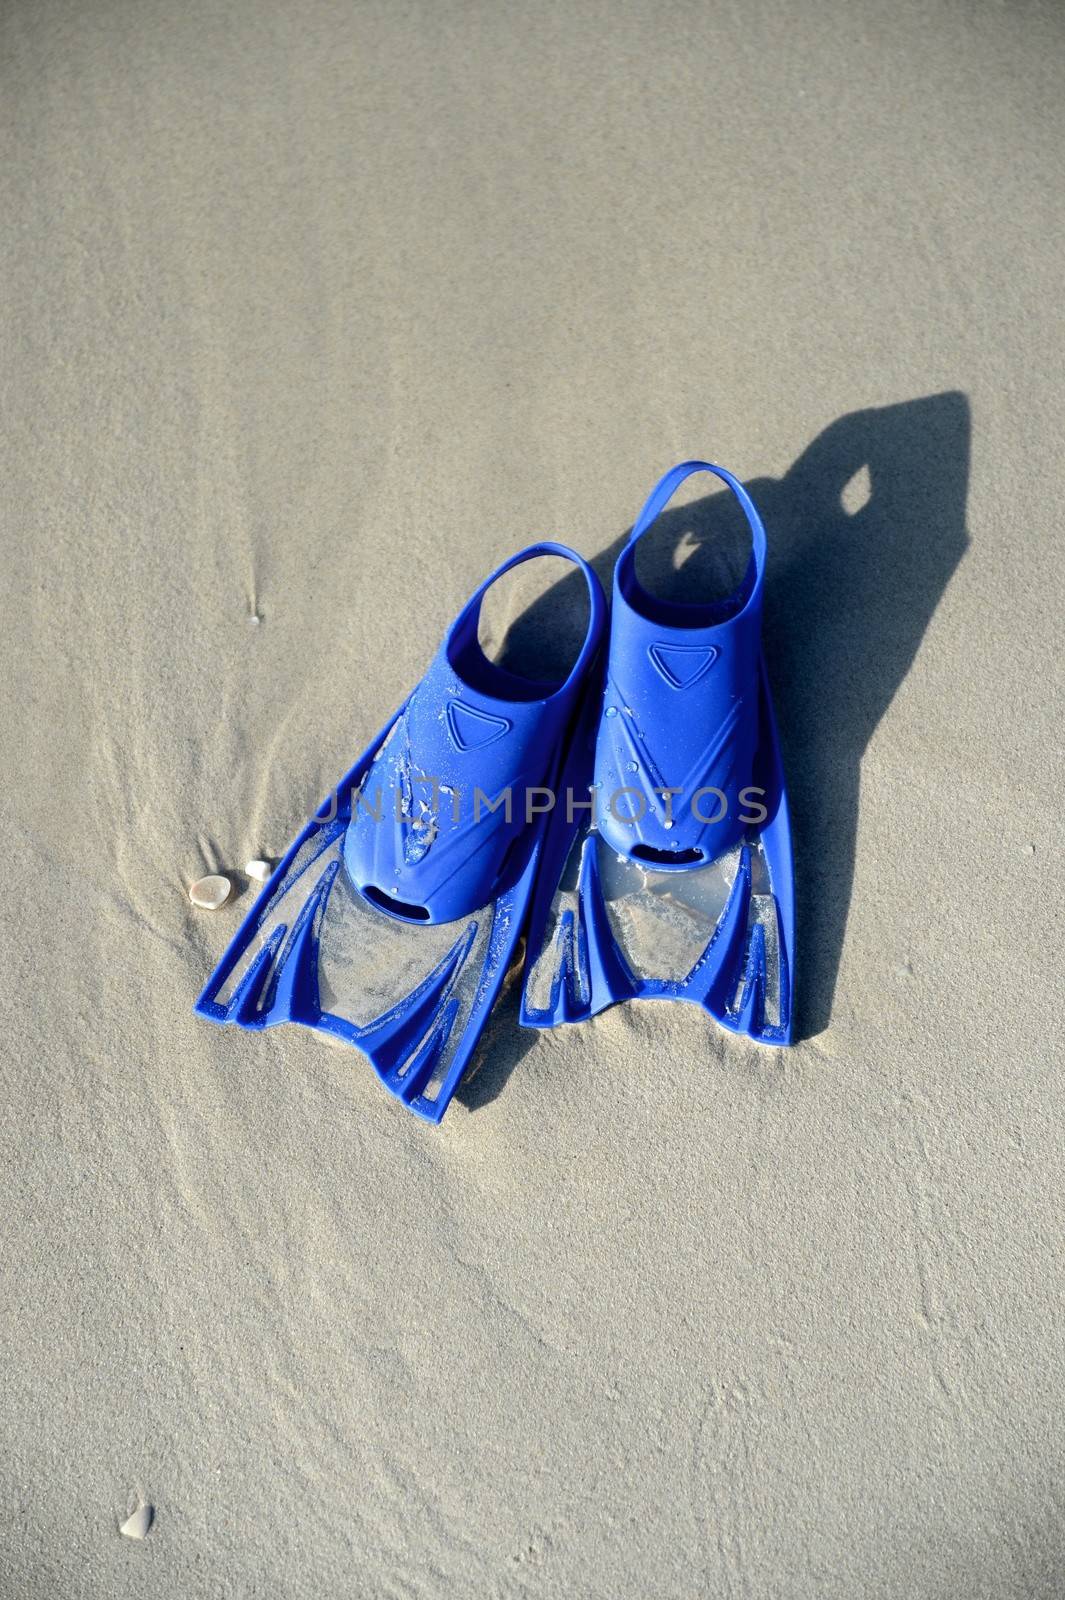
(630, 820)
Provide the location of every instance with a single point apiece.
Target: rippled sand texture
(312, 313)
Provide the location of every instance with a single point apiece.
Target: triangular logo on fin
(471, 729)
(683, 664)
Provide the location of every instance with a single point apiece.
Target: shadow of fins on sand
(865, 531)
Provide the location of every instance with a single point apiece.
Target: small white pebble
(138, 1525)
(211, 892)
(258, 869)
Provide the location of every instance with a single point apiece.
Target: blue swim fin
(678, 884)
(393, 918)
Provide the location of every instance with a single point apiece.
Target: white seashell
(258, 870)
(211, 892)
(137, 1525)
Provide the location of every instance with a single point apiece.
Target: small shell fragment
(138, 1525)
(258, 869)
(211, 892)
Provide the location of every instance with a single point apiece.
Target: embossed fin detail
(683, 664)
(471, 729)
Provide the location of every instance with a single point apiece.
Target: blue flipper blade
(673, 901)
(390, 925)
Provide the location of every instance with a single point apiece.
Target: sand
(313, 312)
